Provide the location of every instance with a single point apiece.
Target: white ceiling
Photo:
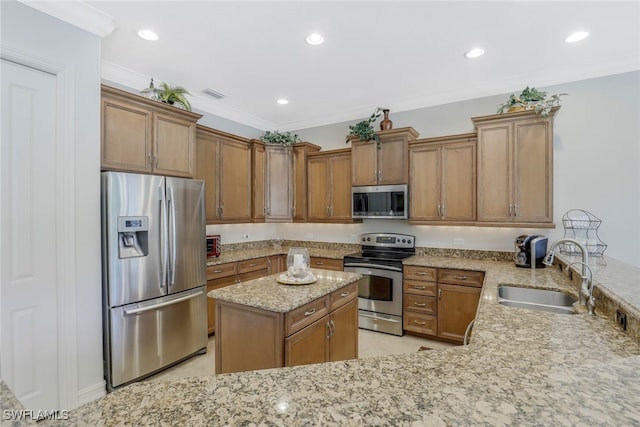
(394, 54)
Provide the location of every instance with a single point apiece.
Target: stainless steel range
(380, 290)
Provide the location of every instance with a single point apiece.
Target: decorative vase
(298, 262)
(386, 124)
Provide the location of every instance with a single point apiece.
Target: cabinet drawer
(421, 304)
(342, 296)
(420, 273)
(421, 323)
(326, 263)
(252, 265)
(221, 270)
(417, 287)
(461, 277)
(250, 275)
(305, 315)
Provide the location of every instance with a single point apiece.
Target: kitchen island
(523, 367)
(265, 324)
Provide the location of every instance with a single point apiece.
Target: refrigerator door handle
(163, 304)
(173, 237)
(164, 247)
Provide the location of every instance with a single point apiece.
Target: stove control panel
(389, 240)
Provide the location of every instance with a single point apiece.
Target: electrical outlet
(621, 319)
(458, 241)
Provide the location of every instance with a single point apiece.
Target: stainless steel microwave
(380, 201)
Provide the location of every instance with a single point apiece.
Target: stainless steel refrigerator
(153, 273)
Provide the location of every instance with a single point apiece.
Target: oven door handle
(374, 266)
(369, 316)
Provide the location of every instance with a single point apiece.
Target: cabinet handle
(155, 160)
(217, 271)
(331, 210)
(148, 160)
(460, 277)
(515, 210)
(439, 211)
(268, 211)
(420, 288)
(421, 273)
(328, 330)
(439, 293)
(319, 263)
(421, 323)
(269, 265)
(328, 213)
(444, 210)
(510, 209)
(253, 264)
(310, 312)
(345, 294)
(379, 175)
(420, 304)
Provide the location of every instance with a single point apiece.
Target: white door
(29, 286)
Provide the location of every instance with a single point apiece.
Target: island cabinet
(442, 178)
(224, 163)
(300, 190)
(329, 186)
(515, 169)
(222, 275)
(295, 325)
(440, 302)
(385, 163)
(142, 135)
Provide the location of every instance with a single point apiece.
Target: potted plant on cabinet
(364, 129)
(279, 138)
(172, 95)
(531, 99)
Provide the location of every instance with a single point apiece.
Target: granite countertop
(266, 293)
(245, 254)
(523, 367)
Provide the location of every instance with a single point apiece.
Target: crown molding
(128, 79)
(76, 13)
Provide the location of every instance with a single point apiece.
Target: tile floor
(369, 344)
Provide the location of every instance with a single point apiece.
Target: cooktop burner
(383, 249)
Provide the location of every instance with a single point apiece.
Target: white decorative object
(583, 227)
(298, 263)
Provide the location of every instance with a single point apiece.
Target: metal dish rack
(582, 226)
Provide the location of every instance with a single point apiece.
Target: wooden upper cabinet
(258, 184)
(443, 179)
(224, 163)
(279, 183)
(329, 185)
(515, 168)
(142, 135)
(384, 165)
(299, 176)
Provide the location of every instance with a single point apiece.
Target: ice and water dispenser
(133, 236)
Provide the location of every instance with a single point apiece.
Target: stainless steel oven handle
(379, 318)
(376, 266)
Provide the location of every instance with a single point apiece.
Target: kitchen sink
(536, 299)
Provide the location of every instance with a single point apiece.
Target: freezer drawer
(146, 337)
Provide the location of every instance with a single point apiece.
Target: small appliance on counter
(213, 245)
(530, 248)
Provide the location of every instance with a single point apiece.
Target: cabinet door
(234, 174)
(258, 160)
(207, 170)
(300, 180)
(211, 302)
(279, 186)
(344, 332)
(457, 307)
(494, 173)
(340, 187)
(425, 184)
(458, 191)
(174, 145)
(309, 345)
(393, 163)
(317, 182)
(533, 157)
(364, 163)
(126, 137)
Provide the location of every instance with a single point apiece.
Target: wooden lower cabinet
(323, 330)
(440, 302)
(326, 263)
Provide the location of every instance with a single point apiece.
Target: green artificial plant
(364, 129)
(173, 95)
(281, 138)
(532, 99)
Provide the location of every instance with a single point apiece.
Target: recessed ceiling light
(314, 39)
(474, 53)
(282, 101)
(576, 37)
(148, 35)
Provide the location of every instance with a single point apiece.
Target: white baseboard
(89, 394)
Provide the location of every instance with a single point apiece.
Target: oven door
(379, 297)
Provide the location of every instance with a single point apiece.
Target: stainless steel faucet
(583, 292)
(591, 300)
